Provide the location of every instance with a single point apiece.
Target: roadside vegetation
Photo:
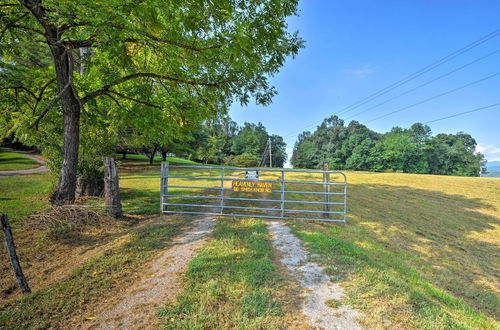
(68, 300)
(417, 251)
(10, 161)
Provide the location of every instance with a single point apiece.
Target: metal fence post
(326, 188)
(164, 185)
(282, 194)
(345, 200)
(222, 191)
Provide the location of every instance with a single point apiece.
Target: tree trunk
(164, 156)
(89, 185)
(124, 155)
(112, 188)
(152, 156)
(71, 112)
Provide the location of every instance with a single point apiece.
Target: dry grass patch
(418, 250)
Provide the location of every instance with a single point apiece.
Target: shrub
(246, 160)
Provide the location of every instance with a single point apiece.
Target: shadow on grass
(140, 201)
(435, 249)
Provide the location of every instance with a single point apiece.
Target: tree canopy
(221, 140)
(412, 150)
(151, 65)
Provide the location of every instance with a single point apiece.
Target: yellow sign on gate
(252, 186)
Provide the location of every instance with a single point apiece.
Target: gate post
(282, 193)
(326, 188)
(163, 185)
(222, 191)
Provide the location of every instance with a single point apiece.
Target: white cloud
(491, 152)
(362, 72)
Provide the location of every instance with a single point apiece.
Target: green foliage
(246, 160)
(149, 71)
(412, 150)
(220, 140)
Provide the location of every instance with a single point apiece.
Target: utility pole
(270, 153)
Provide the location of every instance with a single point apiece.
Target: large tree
(106, 56)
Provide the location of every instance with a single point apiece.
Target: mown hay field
(417, 251)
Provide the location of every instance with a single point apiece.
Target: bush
(246, 160)
(229, 160)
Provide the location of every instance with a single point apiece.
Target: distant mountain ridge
(493, 169)
(491, 165)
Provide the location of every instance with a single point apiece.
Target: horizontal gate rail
(251, 199)
(274, 207)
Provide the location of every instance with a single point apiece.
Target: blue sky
(355, 48)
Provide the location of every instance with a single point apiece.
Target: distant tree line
(214, 141)
(412, 150)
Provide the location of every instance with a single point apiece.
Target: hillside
(493, 169)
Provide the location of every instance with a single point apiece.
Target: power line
(433, 97)
(425, 84)
(463, 113)
(420, 72)
(411, 76)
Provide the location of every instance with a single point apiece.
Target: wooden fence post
(326, 188)
(112, 188)
(11, 248)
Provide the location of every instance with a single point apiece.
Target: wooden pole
(326, 188)
(112, 188)
(11, 248)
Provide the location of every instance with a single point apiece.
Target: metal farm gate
(254, 192)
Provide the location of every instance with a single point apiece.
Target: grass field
(10, 161)
(418, 251)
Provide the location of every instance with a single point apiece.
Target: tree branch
(36, 8)
(27, 28)
(42, 90)
(106, 88)
(24, 89)
(49, 107)
(69, 84)
(10, 24)
(79, 43)
(172, 42)
(133, 99)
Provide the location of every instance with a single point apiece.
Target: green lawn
(23, 195)
(418, 251)
(10, 161)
